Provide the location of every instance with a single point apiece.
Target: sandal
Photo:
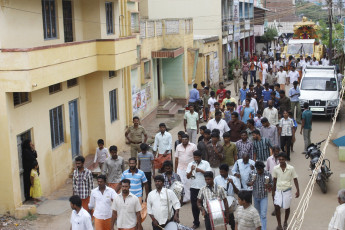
(279, 228)
(285, 226)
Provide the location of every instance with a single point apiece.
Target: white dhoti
(283, 199)
(186, 184)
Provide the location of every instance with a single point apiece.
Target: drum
(177, 188)
(143, 211)
(215, 212)
(232, 202)
(176, 226)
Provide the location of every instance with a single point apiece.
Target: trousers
(286, 140)
(135, 149)
(192, 133)
(236, 84)
(195, 210)
(297, 106)
(306, 137)
(252, 76)
(245, 76)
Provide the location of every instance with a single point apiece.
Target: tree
(313, 11)
(269, 35)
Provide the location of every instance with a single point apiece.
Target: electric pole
(330, 30)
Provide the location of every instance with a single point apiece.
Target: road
(321, 206)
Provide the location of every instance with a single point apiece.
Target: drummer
(231, 185)
(208, 193)
(170, 177)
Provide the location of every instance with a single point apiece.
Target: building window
(109, 17)
(72, 82)
(20, 98)
(135, 22)
(147, 70)
(56, 126)
(111, 74)
(113, 105)
(55, 88)
(49, 19)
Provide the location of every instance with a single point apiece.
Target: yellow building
(71, 72)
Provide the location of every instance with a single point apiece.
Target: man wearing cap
(294, 94)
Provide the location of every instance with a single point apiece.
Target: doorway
(20, 139)
(67, 20)
(158, 79)
(74, 127)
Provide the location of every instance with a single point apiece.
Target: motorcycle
(313, 152)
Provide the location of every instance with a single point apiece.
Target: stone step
(165, 115)
(164, 104)
(168, 108)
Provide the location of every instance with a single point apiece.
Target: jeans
(286, 140)
(261, 206)
(245, 76)
(192, 135)
(295, 104)
(252, 76)
(306, 137)
(195, 210)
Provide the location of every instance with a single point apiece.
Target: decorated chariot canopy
(305, 29)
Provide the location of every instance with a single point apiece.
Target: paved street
(321, 206)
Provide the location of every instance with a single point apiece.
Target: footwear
(195, 227)
(285, 226)
(279, 228)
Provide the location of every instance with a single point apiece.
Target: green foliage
(30, 217)
(232, 63)
(269, 35)
(337, 35)
(312, 11)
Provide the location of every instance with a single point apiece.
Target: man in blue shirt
(294, 94)
(306, 125)
(137, 178)
(243, 92)
(266, 94)
(194, 94)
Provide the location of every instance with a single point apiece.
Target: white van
(320, 88)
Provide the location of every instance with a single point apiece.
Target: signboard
(236, 11)
(231, 28)
(225, 40)
(237, 30)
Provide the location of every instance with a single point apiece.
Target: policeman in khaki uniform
(134, 135)
(237, 76)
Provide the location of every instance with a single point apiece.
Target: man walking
(194, 95)
(306, 125)
(218, 123)
(294, 94)
(80, 218)
(215, 153)
(113, 168)
(269, 132)
(237, 76)
(284, 102)
(191, 123)
(236, 127)
(161, 204)
(293, 75)
(271, 113)
(184, 155)
(209, 192)
(202, 145)
(262, 147)
(338, 219)
(282, 175)
(261, 184)
(134, 135)
(101, 199)
(286, 131)
(221, 93)
(244, 146)
(137, 178)
(195, 171)
(242, 168)
(82, 182)
(163, 143)
(126, 209)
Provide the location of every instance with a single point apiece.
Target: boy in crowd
(146, 163)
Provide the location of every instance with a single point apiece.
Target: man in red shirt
(221, 92)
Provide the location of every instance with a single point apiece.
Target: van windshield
(305, 48)
(319, 83)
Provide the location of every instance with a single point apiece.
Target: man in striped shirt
(244, 146)
(137, 178)
(262, 147)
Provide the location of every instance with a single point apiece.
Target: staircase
(167, 108)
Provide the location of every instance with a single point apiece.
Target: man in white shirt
(80, 218)
(160, 204)
(338, 219)
(191, 123)
(184, 155)
(281, 77)
(271, 113)
(325, 61)
(314, 62)
(293, 75)
(218, 123)
(195, 172)
(101, 199)
(278, 50)
(163, 143)
(126, 209)
(231, 185)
